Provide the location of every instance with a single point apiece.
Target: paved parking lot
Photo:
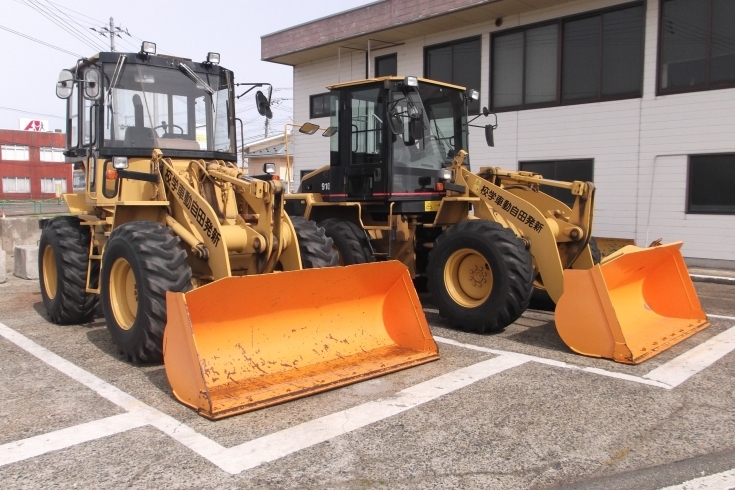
(511, 410)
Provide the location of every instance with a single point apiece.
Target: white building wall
(633, 142)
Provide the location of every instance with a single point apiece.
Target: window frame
(687, 202)
(452, 43)
(327, 96)
(559, 22)
(15, 147)
(556, 161)
(707, 86)
(53, 184)
(377, 59)
(5, 191)
(53, 151)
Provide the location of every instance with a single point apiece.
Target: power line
(29, 112)
(52, 17)
(84, 29)
(41, 42)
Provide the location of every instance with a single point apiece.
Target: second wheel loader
(399, 186)
(195, 262)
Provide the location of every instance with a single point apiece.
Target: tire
(63, 258)
(498, 272)
(141, 262)
(315, 247)
(349, 240)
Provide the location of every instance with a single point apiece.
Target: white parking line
(13, 452)
(721, 317)
(285, 442)
(552, 362)
(244, 456)
(718, 481)
(681, 368)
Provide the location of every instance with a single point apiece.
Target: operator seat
(138, 136)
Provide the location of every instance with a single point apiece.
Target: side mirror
(395, 123)
(416, 128)
(91, 84)
(308, 128)
(489, 135)
(65, 84)
(331, 130)
(262, 104)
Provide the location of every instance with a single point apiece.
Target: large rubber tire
(349, 240)
(480, 276)
(315, 247)
(63, 256)
(141, 262)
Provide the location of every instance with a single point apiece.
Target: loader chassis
(196, 263)
(399, 187)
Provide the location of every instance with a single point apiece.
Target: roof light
(148, 48)
(411, 81)
(474, 94)
(213, 58)
(269, 168)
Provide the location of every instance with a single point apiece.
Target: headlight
(445, 174)
(213, 58)
(269, 168)
(120, 162)
(148, 47)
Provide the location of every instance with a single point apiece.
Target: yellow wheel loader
(195, 262)
(399, 186)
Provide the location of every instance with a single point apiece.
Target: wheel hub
(50, 274)
(468, 277)
(123, 294)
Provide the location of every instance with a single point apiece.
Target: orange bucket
(635, 304)
(244, 343)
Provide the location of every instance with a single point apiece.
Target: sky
(183, 28)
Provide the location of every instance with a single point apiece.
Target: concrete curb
(730, 281)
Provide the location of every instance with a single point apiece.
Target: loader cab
(392, 137)
(123, 105)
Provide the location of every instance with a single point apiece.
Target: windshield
(168, 108)
(444, 119)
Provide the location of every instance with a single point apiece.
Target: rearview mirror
(395, 123)
(91, 84)
(416, 129)
(489, 135)
(262, 104)
(308, 128)
(65, 84)
(331, 130)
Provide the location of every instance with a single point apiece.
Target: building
(32, 165)
(637, 96)
(271, 150)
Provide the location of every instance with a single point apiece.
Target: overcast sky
(183, 28)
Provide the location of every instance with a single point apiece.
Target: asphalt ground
(523, 412)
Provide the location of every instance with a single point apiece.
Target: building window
(564, 170)
(15, 152)
(711, 179)
(53, 186)
(52, 154)
(573, 60)
(16, 185)
(386, 65)
(456, 62)
(322, 105)
(697, 45)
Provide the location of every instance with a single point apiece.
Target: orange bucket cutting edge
(632, 306)
(244, 343)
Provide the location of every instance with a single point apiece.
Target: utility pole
(111, 31)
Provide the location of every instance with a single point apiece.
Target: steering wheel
(165, 127)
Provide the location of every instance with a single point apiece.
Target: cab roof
(392, 78)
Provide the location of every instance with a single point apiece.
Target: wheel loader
(399, 186)
(195, 262)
